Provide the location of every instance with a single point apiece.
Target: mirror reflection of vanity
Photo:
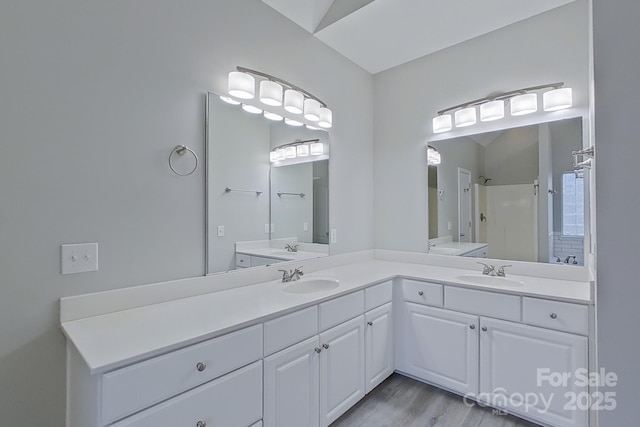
(262, 212)
(511, 194)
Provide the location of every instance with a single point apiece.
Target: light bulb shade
(442, 123)
(466, 117)
(280, 153)
(492, 110)
(311, 127)
(317, 148)
(290, 152)
(274, 156)
(524, 104)
(229, 100)
(433, 157)
(326, 118)
(292, 122)
(312, 110)
(293, 101)
(272, 116)
(302, 150)
(270, 93)
(251, 109)
(557, 99)
(241, 85)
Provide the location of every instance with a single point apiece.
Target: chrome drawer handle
(472, 326)
(325, 346)
(420, 293)
(201, 366)
(318, 350)
(201, 424)
(554, 316)
(370, 323)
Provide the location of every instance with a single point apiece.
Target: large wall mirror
(261, 212)
(512, 194)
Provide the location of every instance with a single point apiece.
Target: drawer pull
(554, 316)
(318, 350)
(370, 323)
(484, 329)
(472, 326)
(201, 424)
(420, 293)
(325, 346)
(201, 366)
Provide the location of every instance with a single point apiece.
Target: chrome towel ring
(181, 150)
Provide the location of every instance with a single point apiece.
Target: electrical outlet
(78, 257)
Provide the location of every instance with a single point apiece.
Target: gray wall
(617, 67)
(547, 48)
(95, 94)
(512, 158)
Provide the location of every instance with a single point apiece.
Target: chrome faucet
(429, 246)
(291, 275)
(290, 248)
(491, 270)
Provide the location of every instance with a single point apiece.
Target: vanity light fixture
(310, 149)
(230, 100)
(251, 109)
(273, 116)
(521, 101)
(433, 156)
(285, 97)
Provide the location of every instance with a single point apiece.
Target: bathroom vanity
(244, 349)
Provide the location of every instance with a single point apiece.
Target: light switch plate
(78, 257)
(305, 226)
(266, 229)
(221, 231)
(334, 235)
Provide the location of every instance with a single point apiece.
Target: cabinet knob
(420, 293)
(201, 424)
(370, 323)
(472, 326)
(553, 315)
(318, 350)
(325, 346)
(201, 366)
(484, 329)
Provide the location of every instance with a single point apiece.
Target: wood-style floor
(404, 402)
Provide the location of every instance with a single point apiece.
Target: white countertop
(457, 248)
(112, 340)
(281, 254)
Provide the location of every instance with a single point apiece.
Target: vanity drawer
(290, 329)
(483, 303)
(377, 295)
(143, 384)
(422, 292)
(336, 311)
(243, 260)
(562, 316)
(234, 400)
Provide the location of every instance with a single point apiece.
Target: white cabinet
(291, 386)
(514, 361)
(234, 400)
(441, 346)
(341, 369)
(378, 341)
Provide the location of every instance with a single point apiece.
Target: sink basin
(480, 279)
(286, 253)
(311, 284)
(443, 251)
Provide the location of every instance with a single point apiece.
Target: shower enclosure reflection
(510, 194)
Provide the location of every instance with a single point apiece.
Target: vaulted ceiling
(381, 34)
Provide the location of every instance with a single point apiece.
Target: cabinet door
(515, 360)
(441, 346)
(342, 381)
(291, 386)
(378, 340)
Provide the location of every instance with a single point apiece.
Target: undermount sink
(282, 253)
(443, 251)
(308, 285)
(480, 279)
